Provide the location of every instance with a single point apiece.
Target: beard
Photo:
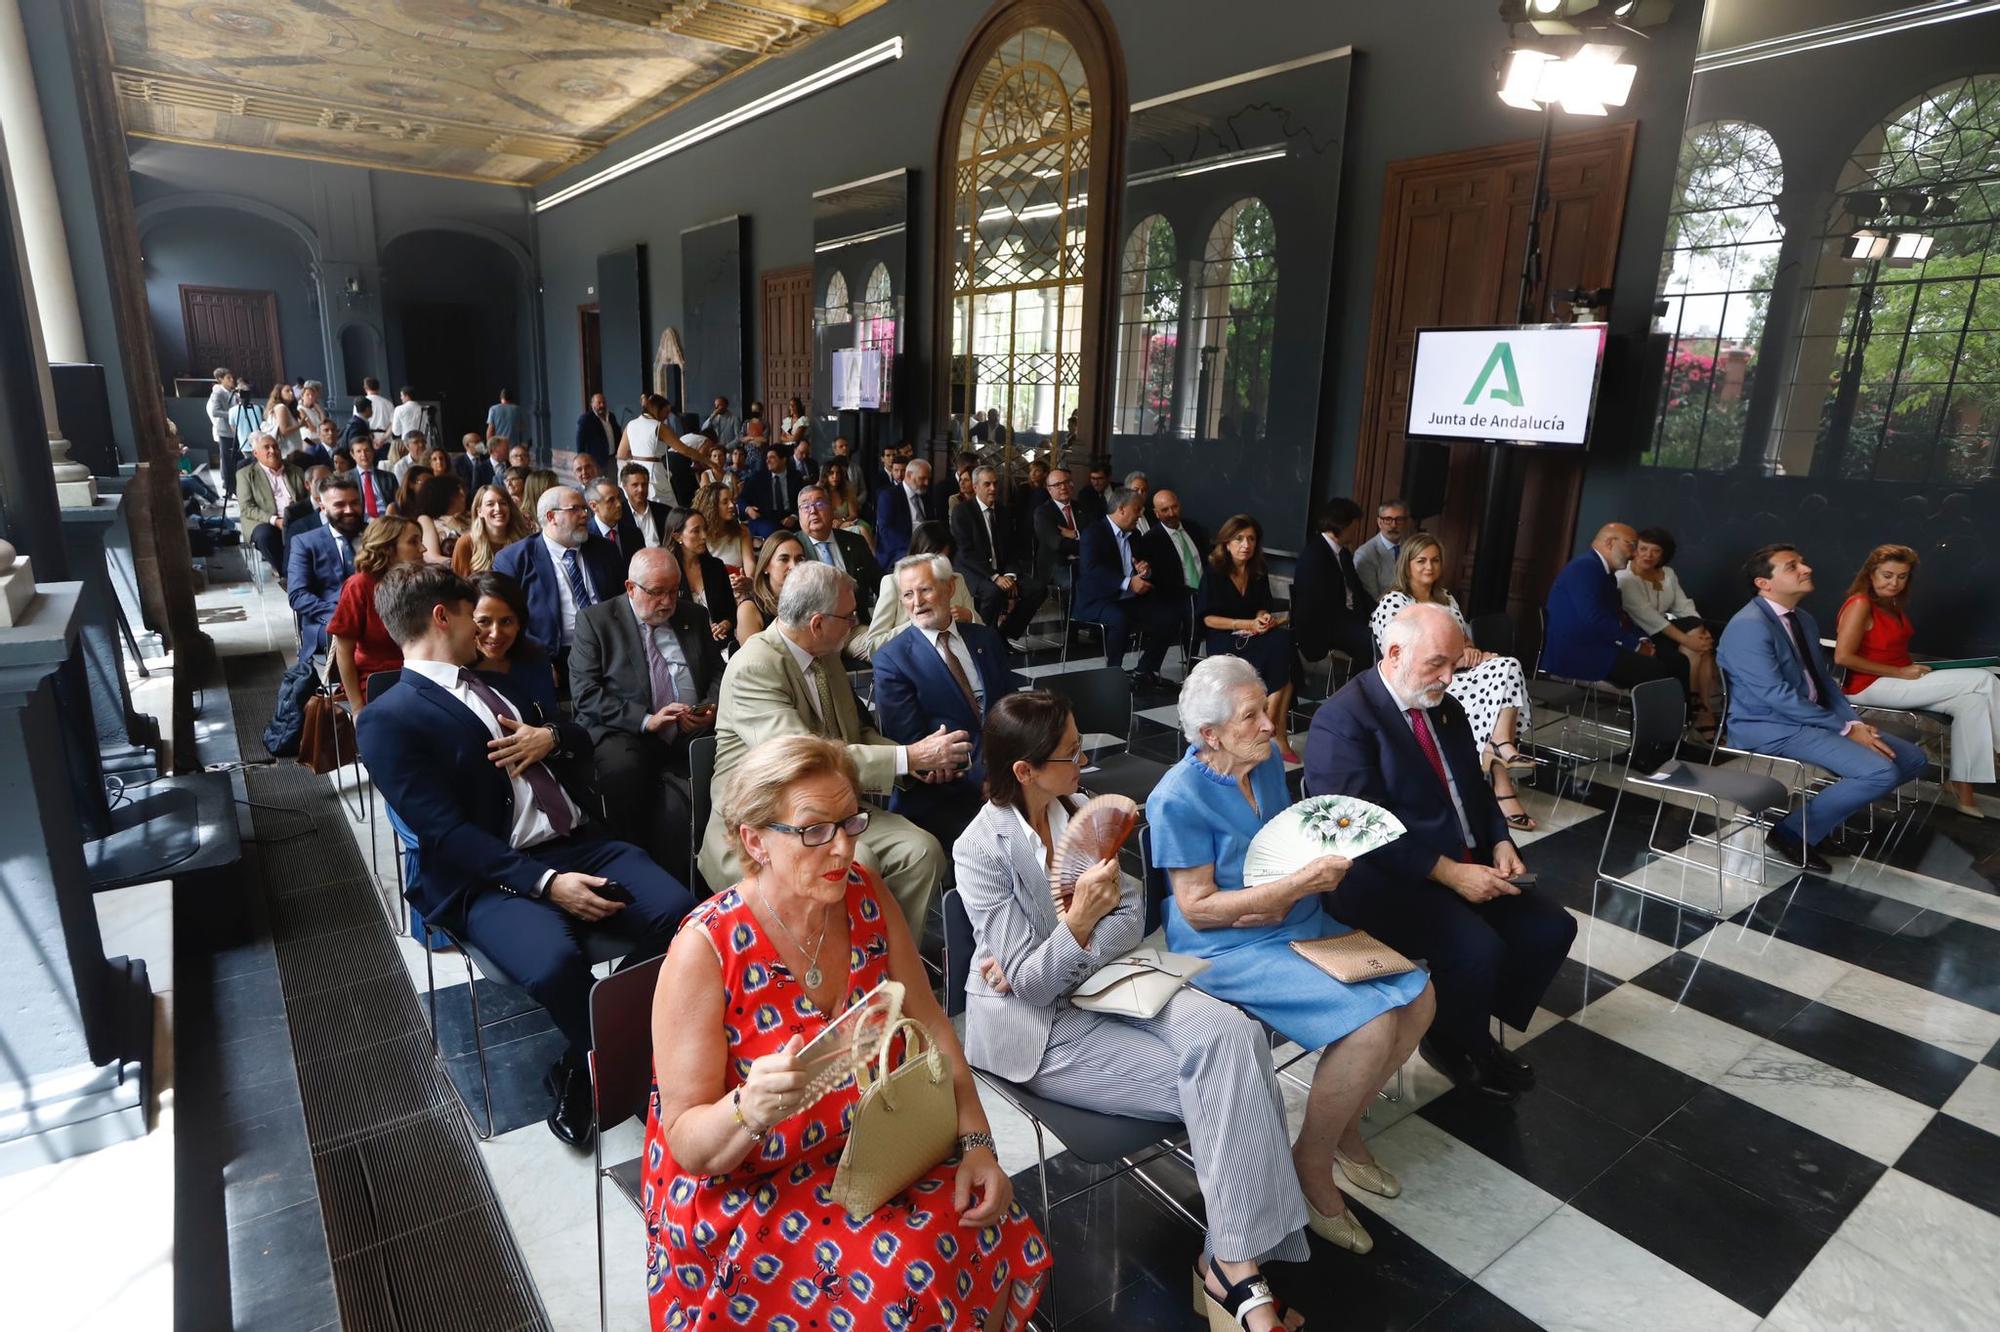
(348, 525)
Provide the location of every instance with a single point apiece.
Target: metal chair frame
(620, 1071)
(1649, 767)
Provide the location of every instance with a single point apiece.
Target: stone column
(57, 325)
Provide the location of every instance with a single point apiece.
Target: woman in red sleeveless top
(1873, 644)
(741, 1227)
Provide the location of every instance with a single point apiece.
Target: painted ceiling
(509, 91)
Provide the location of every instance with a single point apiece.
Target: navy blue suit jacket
(1100, 574)
(1361, 745)
(915, 694)
(1587, 626)
(427, 755)
(758, 494)
(590, 436)
(893, 523)
(314, 573)
(528, 563)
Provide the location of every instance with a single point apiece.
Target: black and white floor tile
(1789, 1120)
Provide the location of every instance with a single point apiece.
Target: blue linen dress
(1196, 816)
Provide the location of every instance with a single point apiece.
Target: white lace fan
(1095, 833)
(1332, 825)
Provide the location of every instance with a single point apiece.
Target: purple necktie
(656, 667)
(548, 792)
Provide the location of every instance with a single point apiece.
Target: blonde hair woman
(782, 552)
(496, 525)
(539, 480)
(807, 933)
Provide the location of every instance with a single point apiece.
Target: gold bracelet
(736, 1109)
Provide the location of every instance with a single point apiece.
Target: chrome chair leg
(478, 1042)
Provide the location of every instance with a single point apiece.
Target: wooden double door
(788, 341)
(233, 327)
(1454, 230)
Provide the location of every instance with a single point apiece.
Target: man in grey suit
(644, 671)
(787, 681)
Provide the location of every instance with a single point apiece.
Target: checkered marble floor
(1790, 1120)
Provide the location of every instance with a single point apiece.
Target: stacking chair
(1579, 703)
(621, 1082)
(1102, 702)
(701, 778)
(1129, 1145)
(1659, 712)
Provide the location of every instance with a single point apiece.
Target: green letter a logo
(1509, 392)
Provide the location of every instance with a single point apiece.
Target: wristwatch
(967, 1141)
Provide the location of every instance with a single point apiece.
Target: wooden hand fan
(1331, 825)
(1095, 833)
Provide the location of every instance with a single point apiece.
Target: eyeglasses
(850, 617)
(812, 506)
(570, 508)
(658, 591)
(1079, 758)
(819, 834)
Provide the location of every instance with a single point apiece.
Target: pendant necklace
(813, 976)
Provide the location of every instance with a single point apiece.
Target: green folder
(1962, 664)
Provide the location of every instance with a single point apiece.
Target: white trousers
(1972, 697)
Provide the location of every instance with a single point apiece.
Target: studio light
(1586, 83)
(1910, 249)
(1567, 18)
(1865, 245)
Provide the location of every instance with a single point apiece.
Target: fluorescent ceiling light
(858, 238)
(837, 72)
(1202, 165)
(1836, 34)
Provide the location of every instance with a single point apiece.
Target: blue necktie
(579, 586)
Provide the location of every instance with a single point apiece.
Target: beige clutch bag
(905, 1122)
(1354, 956)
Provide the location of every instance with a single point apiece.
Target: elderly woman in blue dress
(1198, 1060)
(1201, 818)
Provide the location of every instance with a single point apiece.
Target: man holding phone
(644, 672)
(1452, 889)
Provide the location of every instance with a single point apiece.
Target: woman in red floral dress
(741, 1227)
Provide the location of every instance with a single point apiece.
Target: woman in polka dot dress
(742, 1229)
(1491, 688)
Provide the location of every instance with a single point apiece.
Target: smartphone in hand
(613, 891)
(1525, 880)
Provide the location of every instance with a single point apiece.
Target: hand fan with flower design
(1330, 825)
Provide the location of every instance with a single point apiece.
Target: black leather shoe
(1465, 1071)
(1508, 1068)
(572, 1119)
(1146, 680)
(1789, 849)
(1842, 843)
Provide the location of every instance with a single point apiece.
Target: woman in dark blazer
(500, 616)
(704, 578)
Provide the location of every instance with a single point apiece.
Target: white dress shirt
(556, 552)
(380, 409)
(531, 826)
(1190, 557)
(919, 503)
(407, 419)
(959, 650)
(669, 644)
(1403, 706)
(1123, 540)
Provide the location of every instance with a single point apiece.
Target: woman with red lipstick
(738, 1172)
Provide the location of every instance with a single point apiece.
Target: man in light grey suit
(787, 681)
(645, 671)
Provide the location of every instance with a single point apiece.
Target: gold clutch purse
(905, 1122)
(1354, 956)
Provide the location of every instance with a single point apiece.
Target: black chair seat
(1550, 694)
(1097, 1138)
(1746, 790)
(1129, 775)
(626, 1176)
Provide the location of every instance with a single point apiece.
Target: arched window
(835, 309)
(878, 314)
(1149, 326)
(1897, 376)
(1723, 238)
(1237, 311)
(1024, 275)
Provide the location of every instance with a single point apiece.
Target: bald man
(1588, 636)
(644, 671)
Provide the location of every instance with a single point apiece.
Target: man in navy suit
(378, 484)
(1441, 891)
(318, 561)
(771, 497)
(1330, 605)
(938, 673)
(899, 508)
(1588, 636)
(997, 565)
(609, 520)
(566, 569)
(506, 858)
(1783, 701)
(597, 431)
(1117, 587)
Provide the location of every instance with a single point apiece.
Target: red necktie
(368, 495)
(1421, 728)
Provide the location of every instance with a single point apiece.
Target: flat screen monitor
(1525, 384)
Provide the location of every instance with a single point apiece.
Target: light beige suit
(765, 695)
